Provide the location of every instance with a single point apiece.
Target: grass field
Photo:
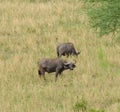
(28, 32)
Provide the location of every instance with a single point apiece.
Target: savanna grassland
(31, 30)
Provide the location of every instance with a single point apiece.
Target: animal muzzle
(72, 67)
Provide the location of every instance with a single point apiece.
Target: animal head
(69, 65)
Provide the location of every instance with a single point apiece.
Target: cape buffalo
(57, 65)
(66, 49)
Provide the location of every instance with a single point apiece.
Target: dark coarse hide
(66, 49)
(57, 65)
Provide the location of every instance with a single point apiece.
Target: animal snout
(72, 66)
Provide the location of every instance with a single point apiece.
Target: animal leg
(39, 73)
(58, 72)
(44, 76)
(42, 72)
(56, 75)
(67, 55)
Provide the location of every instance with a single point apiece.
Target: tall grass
(28, 33)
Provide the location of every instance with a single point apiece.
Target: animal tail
(58, 54)
(39, 72)
(57, 50)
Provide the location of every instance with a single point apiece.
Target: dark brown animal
(57, 65)
(66, 49)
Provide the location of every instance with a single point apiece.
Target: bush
(80, 106)
(105, 18)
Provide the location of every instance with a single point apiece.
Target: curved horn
(67, 63)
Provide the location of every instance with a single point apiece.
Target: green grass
(28, 33)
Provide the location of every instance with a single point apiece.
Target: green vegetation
(93, 110)
(80, 106)
(28, 32)
(105, 16)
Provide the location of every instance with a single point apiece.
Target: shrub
(105, 18)
(80, 106)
